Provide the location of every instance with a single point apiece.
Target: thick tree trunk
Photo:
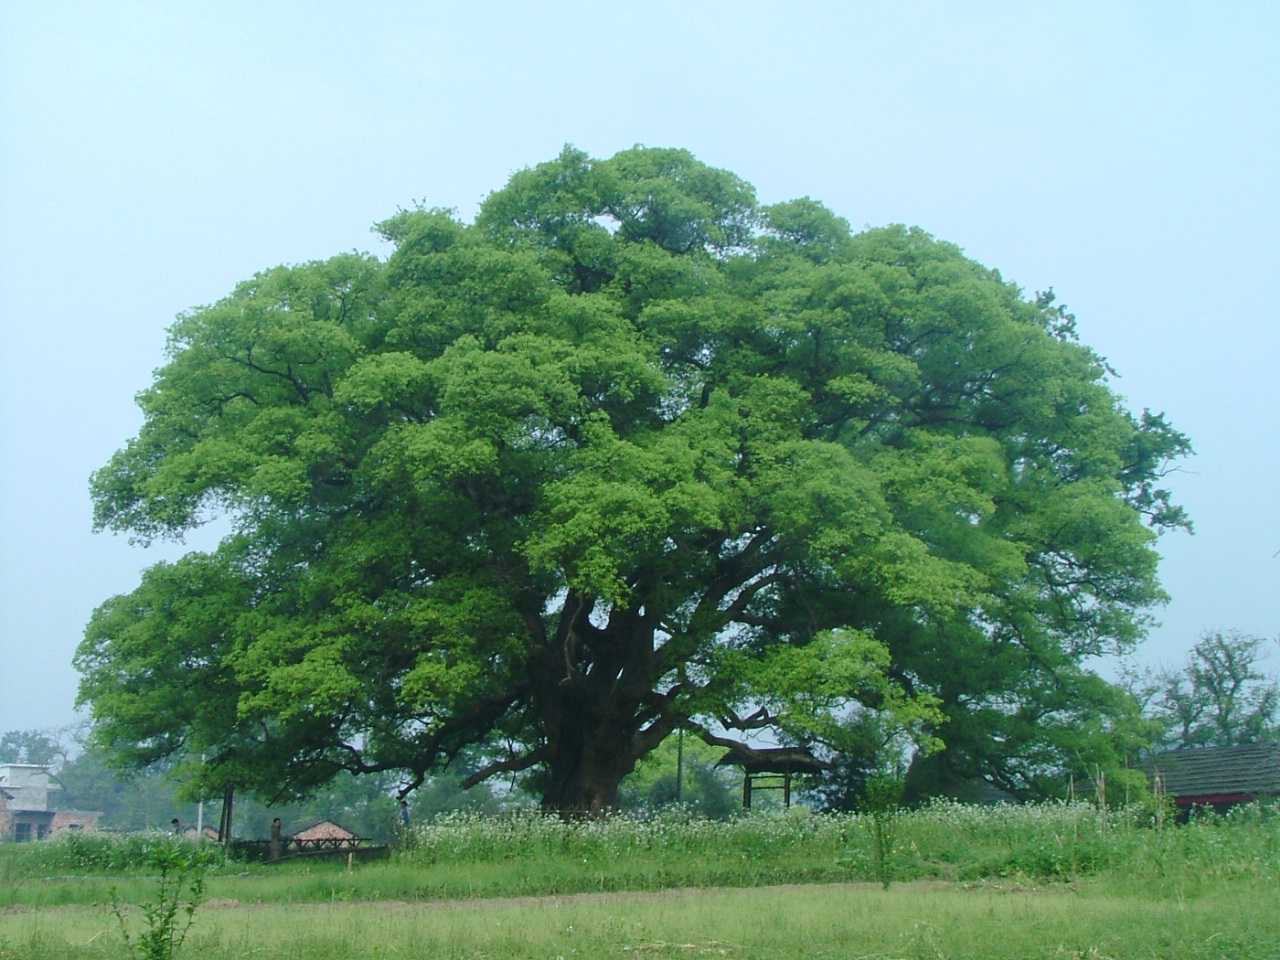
(589, 757)
(585, 785)
(589, 686)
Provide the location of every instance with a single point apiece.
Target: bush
(106, 853)
(168, 914)
(1052, 841)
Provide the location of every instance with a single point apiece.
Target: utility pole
(200, 810)
(680, 765)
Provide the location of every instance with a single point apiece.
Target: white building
(25, 810)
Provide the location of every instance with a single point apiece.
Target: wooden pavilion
(771, 768)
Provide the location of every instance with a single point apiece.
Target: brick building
(25, 809)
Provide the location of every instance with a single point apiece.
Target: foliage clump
(109, 853)
(168, 915)
(1222, 697)
(632, 452)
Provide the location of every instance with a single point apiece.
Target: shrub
(168, 915)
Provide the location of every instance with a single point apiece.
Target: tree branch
(508, 765)
(743, 753)
(761, 718)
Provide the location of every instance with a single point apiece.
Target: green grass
(1055, 881)
(530, 855)
(938, 922)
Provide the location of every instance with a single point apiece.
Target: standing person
(404, 814)
(276, 846)
(175, 827)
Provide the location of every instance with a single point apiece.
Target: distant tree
(32, 746)
(150, 798)
(130, 800)
(868, 748)
(1220, 698)
(451, 790)
(708, 790)
(630, 452)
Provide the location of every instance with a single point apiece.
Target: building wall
(28, 784)
(30, 825)
(76, 821)
(25, 812)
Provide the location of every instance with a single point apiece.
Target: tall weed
(168, 915)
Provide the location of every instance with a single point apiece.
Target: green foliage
(705, 789)
(629, 453)
(106, 853)
(882, 799)
(168, 916)
(445, 793)
(1220, 698)
(31, 746)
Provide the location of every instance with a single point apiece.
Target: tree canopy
(1220, 698)
(628, 452)
(31, 746)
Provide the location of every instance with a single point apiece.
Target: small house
(25, 811)
(1217, 777)
(325, 830)
(26, 790)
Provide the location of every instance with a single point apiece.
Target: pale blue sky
(153, 154)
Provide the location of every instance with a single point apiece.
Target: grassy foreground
(1061, 881)
(529, 855)
(922, 921)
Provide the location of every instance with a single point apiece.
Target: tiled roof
(324, 830)
(1252, 768)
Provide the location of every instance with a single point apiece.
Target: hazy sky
(152, 155)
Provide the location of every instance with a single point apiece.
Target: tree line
(150, 798)
(1222, 696)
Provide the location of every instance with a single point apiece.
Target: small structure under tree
(324, 830)
(771, 768)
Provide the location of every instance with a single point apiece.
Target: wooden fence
(261, 851)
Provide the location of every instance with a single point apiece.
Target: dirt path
(548, 900)
(570, 899)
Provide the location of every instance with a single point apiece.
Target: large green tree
(628, 452)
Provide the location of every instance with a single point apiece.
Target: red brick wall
(68, 819)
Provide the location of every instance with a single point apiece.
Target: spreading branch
(512, 764)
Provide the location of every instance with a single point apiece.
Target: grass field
(922, 920)
(1055, 881)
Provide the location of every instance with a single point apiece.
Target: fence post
(275, 846)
